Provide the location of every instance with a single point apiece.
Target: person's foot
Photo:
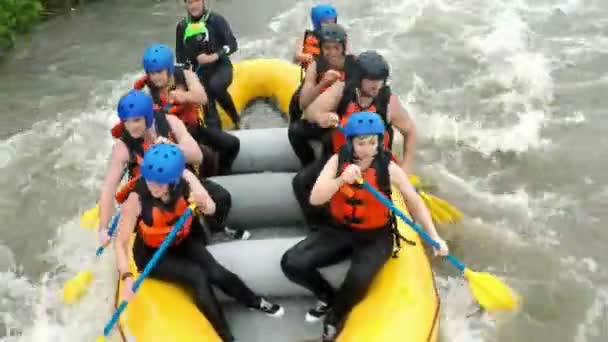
(237, 234)
(270, 309)
(318, 312)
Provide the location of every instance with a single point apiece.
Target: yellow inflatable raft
(401, 305)
(262, 78)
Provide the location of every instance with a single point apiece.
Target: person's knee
(233, 145)
(219, 82)
(297, 183)
(294, 133)
(293, 262)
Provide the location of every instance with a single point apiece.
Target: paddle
(441, 211)
(149, 266)
(75, 288)
(90, 218)
(490, 292)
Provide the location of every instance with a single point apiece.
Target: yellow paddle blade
(100, 339)
(428, 205)
(415, 180)
(438, 214)
(75, 287)
(90, 218)
(490, 292)
(450, 209)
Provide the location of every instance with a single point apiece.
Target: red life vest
(357, 208)
(188, 113)
(158, 218)
(310, 45)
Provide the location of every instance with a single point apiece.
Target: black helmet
(332, 33)
(373, 66)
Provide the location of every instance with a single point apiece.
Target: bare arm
(196, 187)
(185, 141)
(310, 89)
(196, 93)
(325, 103)
(131, 210)
(414, 203)
(327, 184)
(401, 120)
(114, 173)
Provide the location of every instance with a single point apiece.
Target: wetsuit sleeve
(225, 37)
(180, 52)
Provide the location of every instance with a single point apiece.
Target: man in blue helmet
(309, 46)
(160, 196)
(360, 227)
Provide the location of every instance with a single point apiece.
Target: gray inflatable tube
(266, 150)
(258, 264)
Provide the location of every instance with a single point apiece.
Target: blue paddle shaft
(113, 226)
(149, 266)
(459, 265)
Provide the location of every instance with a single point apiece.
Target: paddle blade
(438, 213)
(415, 180)
(90, 218)
(75, 287)
(454, 213)
(490, 292)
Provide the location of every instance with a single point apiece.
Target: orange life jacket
(310, 45)
(157, 218)
(188, 113)
(357, 208)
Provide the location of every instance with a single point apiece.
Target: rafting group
(171, 139)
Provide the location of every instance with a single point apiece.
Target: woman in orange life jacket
(181, 90)
(361, 228)
(332, 65)
(143, 128)
(309, 46)
(366, 90)
(158, 199)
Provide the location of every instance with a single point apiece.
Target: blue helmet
(136, 103)
(321, 13)
(364, 123)
(163, 164)
(158, 57)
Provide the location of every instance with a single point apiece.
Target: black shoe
(330, 332)
(318, 312)
(237, 234)
(270, 309)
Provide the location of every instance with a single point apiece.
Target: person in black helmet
(205, 41)
(331, 65)
(367, 90)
